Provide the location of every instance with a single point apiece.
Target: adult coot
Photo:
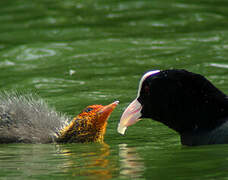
(28, 119)
(184, 101)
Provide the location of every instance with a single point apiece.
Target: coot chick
(28, 119)
(185, 102)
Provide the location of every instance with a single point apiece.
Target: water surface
(74, 53)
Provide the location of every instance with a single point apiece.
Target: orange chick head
(89, 125)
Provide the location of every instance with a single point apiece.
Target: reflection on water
(131, 164)
(219, 65)
(90, 162)
(20, 161)
(6, 63)
(74, 53)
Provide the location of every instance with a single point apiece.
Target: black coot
(184, 101)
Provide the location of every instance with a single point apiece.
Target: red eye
(147, 89)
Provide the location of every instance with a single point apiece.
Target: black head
(182, 100)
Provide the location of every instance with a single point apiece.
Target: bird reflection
(90, 161)
(131, 164)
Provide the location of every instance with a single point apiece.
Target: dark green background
(108, 45)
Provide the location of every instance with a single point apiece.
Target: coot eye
(88, 109)
(147, 89)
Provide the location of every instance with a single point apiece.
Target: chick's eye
(88, 109)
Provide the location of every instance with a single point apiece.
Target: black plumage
(187, 103)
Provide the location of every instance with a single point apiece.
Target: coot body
(184, 101)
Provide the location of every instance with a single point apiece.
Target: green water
(74, 53)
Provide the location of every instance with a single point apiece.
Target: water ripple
(32, 53)
(219, 65)
(6, 63)
(28, 53)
